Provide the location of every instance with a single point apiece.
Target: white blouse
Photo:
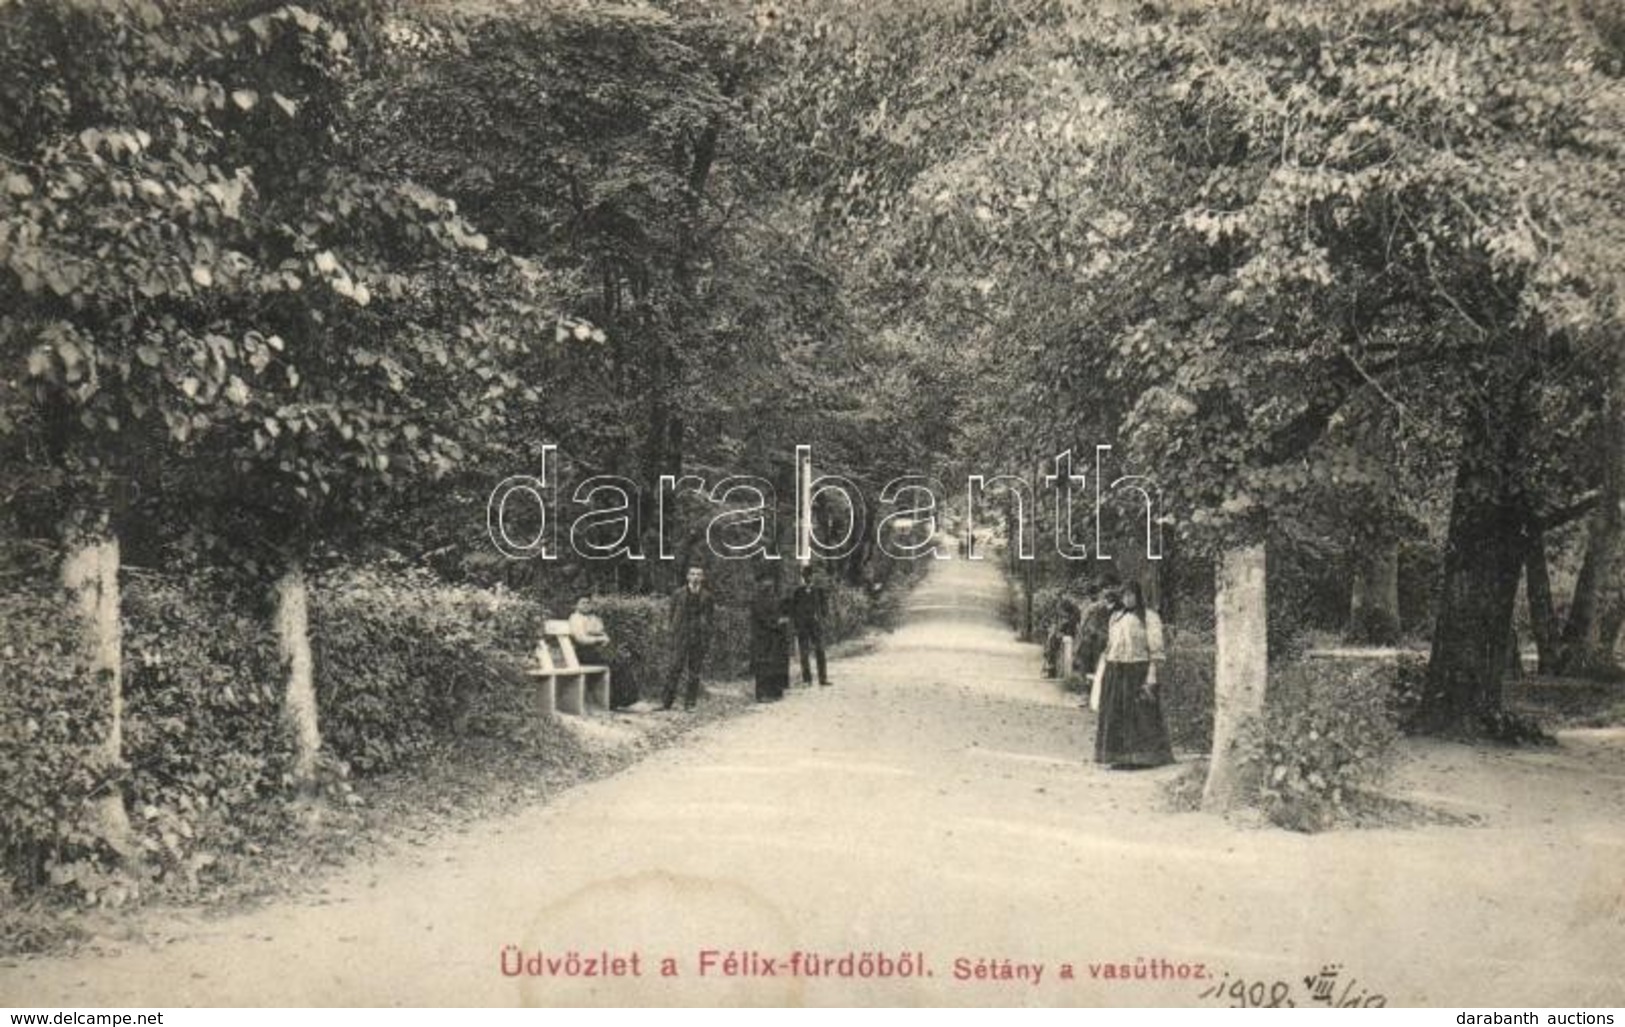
(1129, 639)
(587, 629)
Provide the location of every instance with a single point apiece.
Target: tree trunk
(1600, 659)
(90, 578)
(858, 559)
(1485, 551)
(299, 695)
(1538, 592)
(1241, 630)
(1164, 582)
(1612, 621)
(657, 460)
(1374, 608)
(1582, 648)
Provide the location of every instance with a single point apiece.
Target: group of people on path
(691, 624)
(1115, 631)
(1122, 638)
(774, 619)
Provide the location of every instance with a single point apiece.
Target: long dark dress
(623, 685)
(1132, 731)
(769, 648)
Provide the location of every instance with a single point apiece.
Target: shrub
(853, 610)
(636, 626)
(1187, 694)
(1047, 601)
(204, 738)
(1188, 690)
(403, 659)
(1046, 608)
(1326, 733)
(1408, 685)
(203, 745)
(1010, 605)
(53, 720)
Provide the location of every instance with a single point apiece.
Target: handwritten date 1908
(1318, 989)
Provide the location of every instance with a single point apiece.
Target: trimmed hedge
(203, 741)
(1328, 730)
(204, 737)
(1187, 694)
(53, 719)
(404, 660)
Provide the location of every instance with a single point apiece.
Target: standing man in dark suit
(809, 605)
(691, 618)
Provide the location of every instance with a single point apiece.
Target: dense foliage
(262, 313)
(51, 724)
(1263, 252)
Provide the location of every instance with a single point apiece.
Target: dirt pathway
(936, 800)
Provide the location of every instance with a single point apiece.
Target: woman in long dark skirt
(769, 642)
(593, 647)
(1132, 731)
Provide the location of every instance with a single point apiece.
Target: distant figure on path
(1132, 732)
(1063, 626)
(809, 606)
(769, 641)
(1094, 623)
(692, 616)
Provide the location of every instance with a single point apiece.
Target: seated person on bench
(593, 647)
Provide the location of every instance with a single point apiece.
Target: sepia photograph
(812, 503)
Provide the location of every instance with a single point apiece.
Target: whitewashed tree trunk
(90, 578)
(1242, 666)
(299, 695)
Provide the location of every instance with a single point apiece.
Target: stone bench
(564, 684)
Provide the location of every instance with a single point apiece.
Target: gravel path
(936, 800)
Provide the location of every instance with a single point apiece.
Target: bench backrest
(559, 632)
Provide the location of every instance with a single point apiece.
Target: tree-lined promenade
(286, 288)
(935, 801)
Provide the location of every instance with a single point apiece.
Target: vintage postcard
(808, 503)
